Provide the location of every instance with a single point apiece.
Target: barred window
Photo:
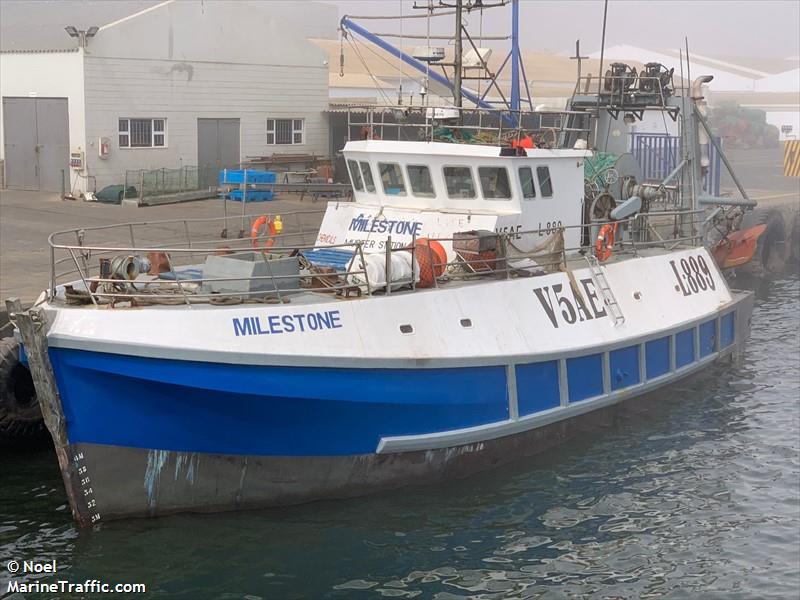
(142, 133)
(285, 131)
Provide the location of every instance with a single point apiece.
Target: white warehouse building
(158, 85)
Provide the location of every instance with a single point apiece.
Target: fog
(763, 29)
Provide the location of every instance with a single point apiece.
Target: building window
(545, 183)
(421, 183)
(494, 183)
(392, 179)
(285, 131)
(459, 182)
(142, 133)
(526, 181)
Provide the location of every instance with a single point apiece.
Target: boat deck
(153, 292)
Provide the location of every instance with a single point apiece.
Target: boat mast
(514, 55)
(457, 60)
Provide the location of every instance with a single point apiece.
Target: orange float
(431, 257)
(604, 245)
(255, 232)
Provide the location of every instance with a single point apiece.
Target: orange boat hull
(738, 248)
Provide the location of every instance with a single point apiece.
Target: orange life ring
(605, 241)
(255, 231)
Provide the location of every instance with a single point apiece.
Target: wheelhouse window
(419, 176)
(526, 183)
(366, 171)
(142, 133)
(459, 182)
(285, 131)
(392, 179)
(355, 175)
(494, 183)
(545, 183)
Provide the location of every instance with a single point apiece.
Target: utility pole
(457, 59)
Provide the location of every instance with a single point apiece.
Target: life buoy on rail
(605, 241)
(274, 227)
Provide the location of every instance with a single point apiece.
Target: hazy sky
(754, 28)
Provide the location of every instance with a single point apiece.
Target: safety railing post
(364, 265)
(413, 260)
(52, 272)
(83, 279)
(177, 280)
(388, 265)
(188, 237)
(244, 200)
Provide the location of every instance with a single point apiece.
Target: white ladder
(601, 283)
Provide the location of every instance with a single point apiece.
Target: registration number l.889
(693, 276)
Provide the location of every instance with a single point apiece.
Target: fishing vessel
(482, 297)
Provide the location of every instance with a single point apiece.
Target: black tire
(21, 423)
(794, 241)
(770, 256)
(772, 242)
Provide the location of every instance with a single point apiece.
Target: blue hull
(189, 406)
(147, 436)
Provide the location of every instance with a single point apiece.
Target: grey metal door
(52, 132)
(19, 136)
(36, 139)
(217, 148)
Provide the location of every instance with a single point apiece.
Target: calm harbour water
(694, 494)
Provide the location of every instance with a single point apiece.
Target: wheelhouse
(536, 189)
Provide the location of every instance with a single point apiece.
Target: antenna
(579, 58)
(602, 52)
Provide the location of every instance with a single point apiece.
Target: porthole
(466, 323)
(406, 329)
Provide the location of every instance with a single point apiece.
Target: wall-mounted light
(81, 34)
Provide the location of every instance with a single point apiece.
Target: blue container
(253, 176)
(252, 195)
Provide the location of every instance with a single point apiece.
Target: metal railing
(629, 90)
(464, 125)
(193, 240)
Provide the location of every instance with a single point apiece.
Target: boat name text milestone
(275, 324)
